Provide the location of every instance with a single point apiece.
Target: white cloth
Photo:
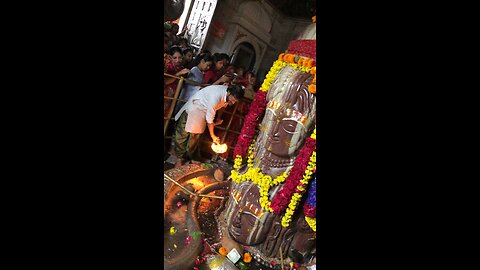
(202, 106)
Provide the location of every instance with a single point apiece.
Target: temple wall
(257, 23)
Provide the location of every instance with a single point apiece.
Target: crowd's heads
(182, 43)
(251, 78)
(236, 91)
(218, 60)
(187, 56)
(240, 71)
(203, 61)
(177, 55)
(226, 59)
(230, 70)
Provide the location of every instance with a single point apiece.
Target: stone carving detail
(247, 223)
(289, 118)
(285, 129)
(239, 36)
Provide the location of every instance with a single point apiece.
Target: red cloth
(210, 76)
(169, 90)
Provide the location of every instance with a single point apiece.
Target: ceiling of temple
(296, 8)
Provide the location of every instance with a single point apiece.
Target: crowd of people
(202, 71)
(180, 59)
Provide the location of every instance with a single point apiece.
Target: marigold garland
(276, 67)
(301, 171)
(247, 133)
(300, 189)
(265, 182)
(312, 222)
(256, 110)
(291, 192)
(307, 65)
(309, 208)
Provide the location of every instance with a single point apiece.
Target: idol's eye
(249, 217)
(289, 126)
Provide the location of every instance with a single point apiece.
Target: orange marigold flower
(313, 70)
(310, 63)
(280, 57)
(312, 88)
(247, 257)
(291, 58)
(302, 61)
(314, 78)
(223, 251)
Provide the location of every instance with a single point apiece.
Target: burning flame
(219, 148)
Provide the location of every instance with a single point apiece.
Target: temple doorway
(244, 56)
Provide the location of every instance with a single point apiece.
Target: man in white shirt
(199, 112)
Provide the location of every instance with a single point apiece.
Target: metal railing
(175, 98)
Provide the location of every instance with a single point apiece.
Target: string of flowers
(305, 162)
(303, 168)
(259, 103)
(257, 177)
(299, 190)
(312, 222)
(310, 206)
(272, 73)
(255, 111)
(307, 65)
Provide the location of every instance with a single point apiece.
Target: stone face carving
(303, 242)
(289, 119)
(247, 222)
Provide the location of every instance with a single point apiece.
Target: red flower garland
(309, 211)
(282, 198)
(257, 107)
(305, 48)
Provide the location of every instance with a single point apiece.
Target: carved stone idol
(247, 222)
(289, 119)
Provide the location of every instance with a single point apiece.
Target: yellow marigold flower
(312, 222)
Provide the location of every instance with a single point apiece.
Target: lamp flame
(219, 148)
